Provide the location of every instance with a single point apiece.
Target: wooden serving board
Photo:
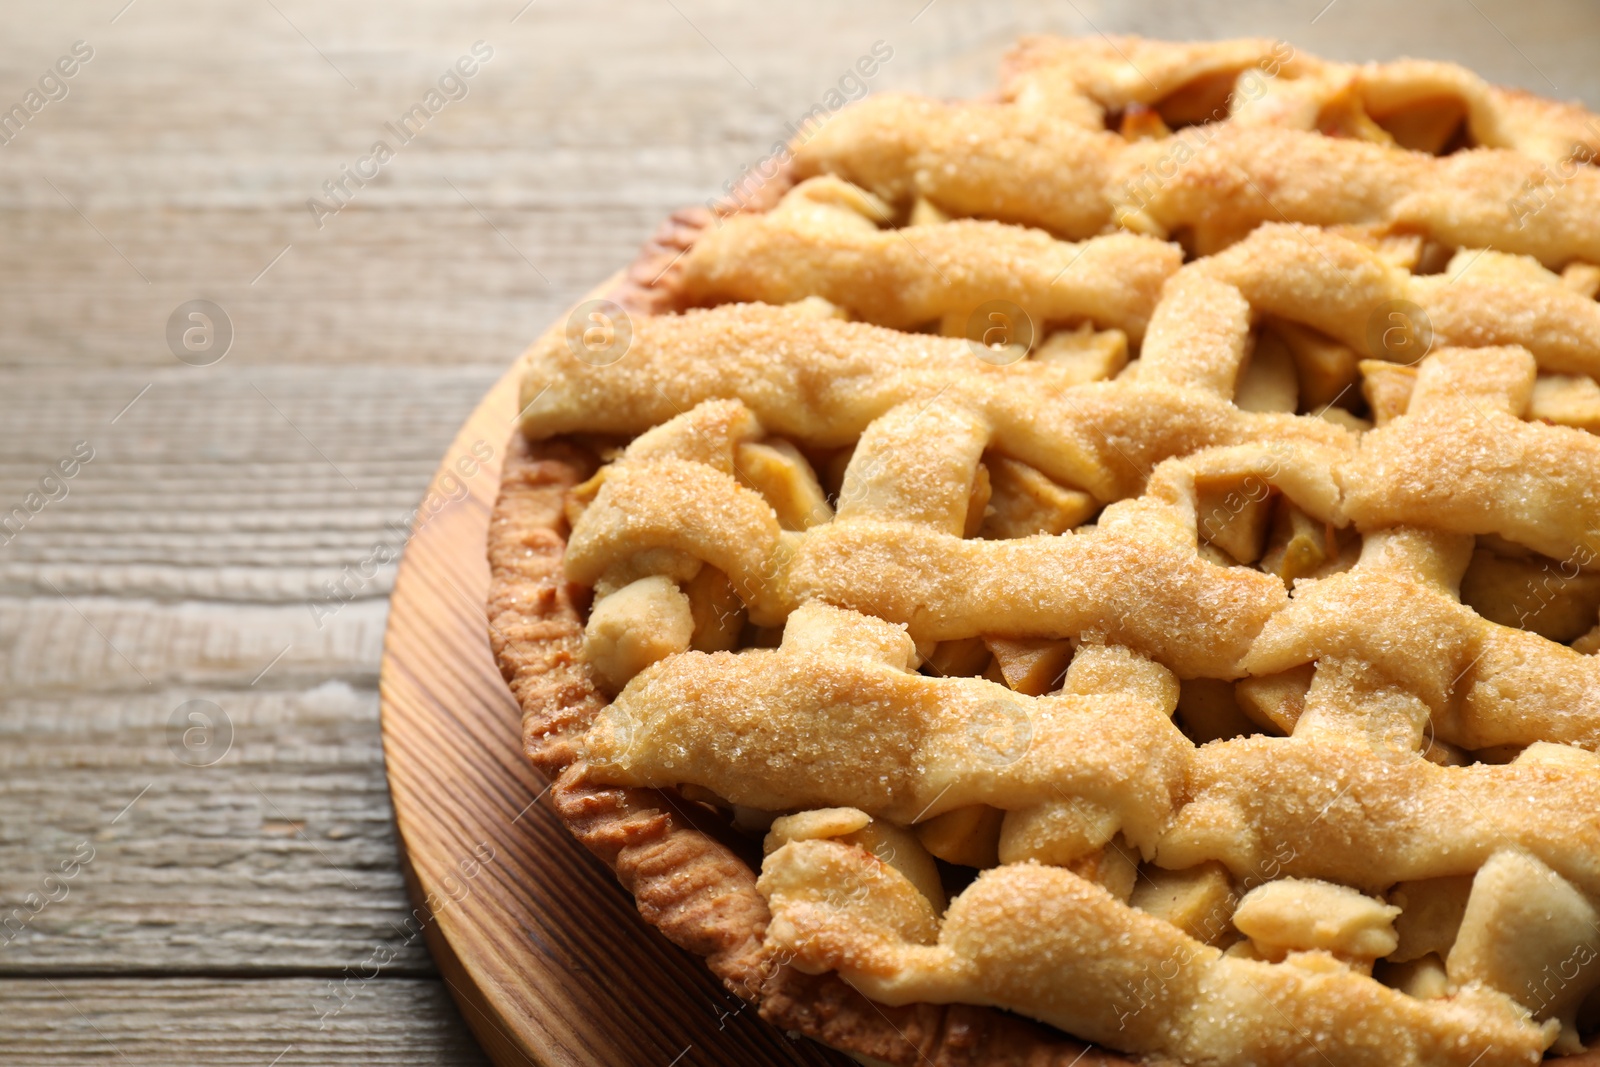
(541, 948)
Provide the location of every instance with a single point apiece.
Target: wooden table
(197, 863)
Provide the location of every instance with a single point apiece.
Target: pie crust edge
(686, 882)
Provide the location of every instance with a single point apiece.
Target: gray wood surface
(226, 903)
(288, 1022)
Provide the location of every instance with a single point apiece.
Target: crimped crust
(688, 884)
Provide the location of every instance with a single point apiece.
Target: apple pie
(1105, 574)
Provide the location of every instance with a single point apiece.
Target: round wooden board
(541, 948)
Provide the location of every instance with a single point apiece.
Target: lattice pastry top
(1133, 548)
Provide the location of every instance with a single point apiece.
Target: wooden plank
(223, 1023)
(278, 858)
(223, 483)
(68, 651)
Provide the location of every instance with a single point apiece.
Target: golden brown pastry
(1126, 553)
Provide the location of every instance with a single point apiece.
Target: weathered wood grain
(287, 1022)
(279, 857)
(219, 483)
